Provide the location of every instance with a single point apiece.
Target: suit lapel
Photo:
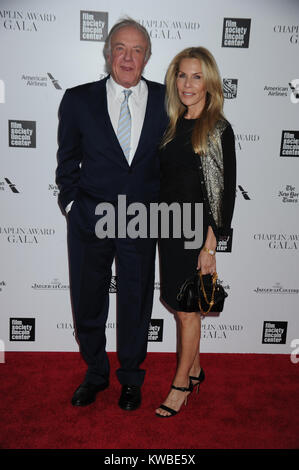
(99, 110)
(146, 131)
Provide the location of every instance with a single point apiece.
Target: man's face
(127, 57)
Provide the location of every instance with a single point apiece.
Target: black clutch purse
(201, 293)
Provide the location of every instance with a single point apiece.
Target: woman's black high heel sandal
(170, 410)
(199, 379)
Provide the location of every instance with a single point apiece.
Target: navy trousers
(90, 262)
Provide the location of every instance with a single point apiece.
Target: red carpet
(247, 402)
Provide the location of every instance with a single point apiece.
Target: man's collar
(117, 89)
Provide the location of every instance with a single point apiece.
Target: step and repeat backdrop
(49, 46)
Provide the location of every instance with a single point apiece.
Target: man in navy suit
(92, 169)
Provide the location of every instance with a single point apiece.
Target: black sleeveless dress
(179, 183)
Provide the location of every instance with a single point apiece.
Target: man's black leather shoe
(86, 393)
(130, 398)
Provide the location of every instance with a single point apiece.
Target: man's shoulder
(156, 90)
(85, 88)
(154, 85)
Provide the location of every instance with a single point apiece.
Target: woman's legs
(189, 325)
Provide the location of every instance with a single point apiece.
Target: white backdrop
(48, 46)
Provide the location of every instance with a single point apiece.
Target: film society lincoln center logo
(22, 133)
(22, 329)
(236, 32)
(289, 144)
(274, 332)
(155, 331)
(93, 25)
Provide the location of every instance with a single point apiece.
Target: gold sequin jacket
(217, 170)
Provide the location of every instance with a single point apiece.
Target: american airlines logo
(55, 82)
(11, 185)
(41, 81)
(244, 193)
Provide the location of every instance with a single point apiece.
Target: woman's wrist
(211, 251)
(210, 242)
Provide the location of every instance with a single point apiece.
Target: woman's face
(190, 85)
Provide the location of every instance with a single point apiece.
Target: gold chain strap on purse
(211, 302)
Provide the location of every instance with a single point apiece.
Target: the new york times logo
(230, 88)
(54, 189)
(236, 32)
(289, 194)
(93, 25)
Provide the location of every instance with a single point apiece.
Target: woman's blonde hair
(213, 110)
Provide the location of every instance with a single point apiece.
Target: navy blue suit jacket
(90, 159)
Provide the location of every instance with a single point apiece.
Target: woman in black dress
(197, 129)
